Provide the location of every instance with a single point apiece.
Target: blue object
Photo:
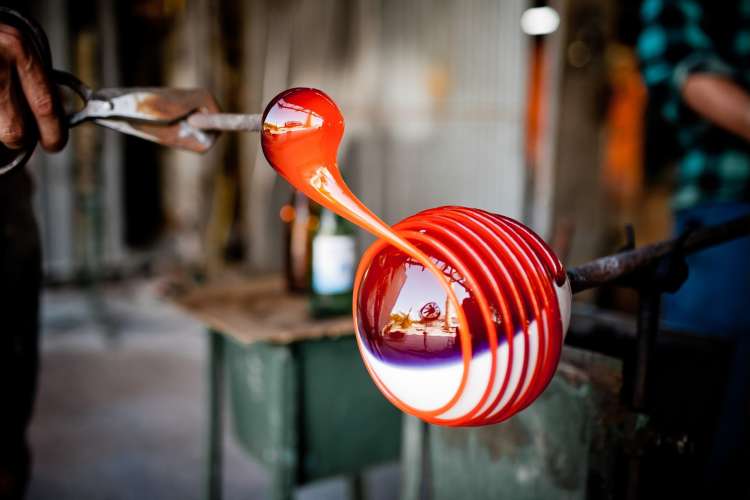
(715, 299)
(715, 302)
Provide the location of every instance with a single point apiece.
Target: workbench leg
(415, 457)
(215, 414)
(356, 483)
(285, 424)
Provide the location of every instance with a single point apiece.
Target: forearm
(720, 101)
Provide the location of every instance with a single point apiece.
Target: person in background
(29, 111)
(695, 59)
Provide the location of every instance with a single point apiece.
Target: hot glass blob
(460, 313)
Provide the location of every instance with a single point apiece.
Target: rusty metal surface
(155, 114)
(614, 267)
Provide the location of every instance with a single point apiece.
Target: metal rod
(215, 432)
(612, 267)
(225, 121)
(647, 329)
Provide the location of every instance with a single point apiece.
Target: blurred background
(535, 110)
(445, 104)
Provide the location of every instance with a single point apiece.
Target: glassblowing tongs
(181, 118)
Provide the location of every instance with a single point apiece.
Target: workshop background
(445, 103)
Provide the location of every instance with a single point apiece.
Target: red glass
(460, 313)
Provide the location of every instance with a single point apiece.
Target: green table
(554, 449)
(303, 405)
(301, 401)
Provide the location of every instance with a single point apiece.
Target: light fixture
(540, 21)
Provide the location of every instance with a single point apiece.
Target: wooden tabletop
(256, 310)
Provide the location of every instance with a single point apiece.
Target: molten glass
(460, 313)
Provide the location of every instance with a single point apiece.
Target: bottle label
(333, 264)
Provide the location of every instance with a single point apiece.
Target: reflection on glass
(406, 317)
(288, 117)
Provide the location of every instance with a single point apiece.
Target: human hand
(29, 103)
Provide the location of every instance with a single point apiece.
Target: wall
(433, 94)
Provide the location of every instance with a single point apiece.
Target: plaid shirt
(682, 37)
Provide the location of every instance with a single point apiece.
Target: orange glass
(460, 313)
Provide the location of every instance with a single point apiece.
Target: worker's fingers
(44, 103)
(11, 116)
(41, 95)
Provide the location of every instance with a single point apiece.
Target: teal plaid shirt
(681, 37)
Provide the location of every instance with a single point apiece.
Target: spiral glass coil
(460, 313)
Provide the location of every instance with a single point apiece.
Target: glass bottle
(333, 265)
(300, 220)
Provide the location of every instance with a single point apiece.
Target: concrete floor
(120, 409)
